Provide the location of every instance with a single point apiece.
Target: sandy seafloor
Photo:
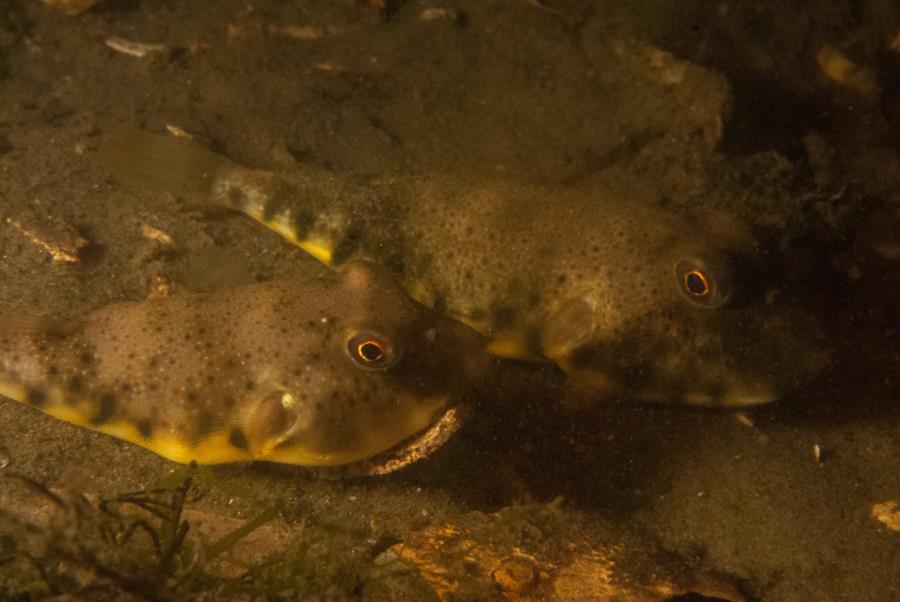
(704, 103)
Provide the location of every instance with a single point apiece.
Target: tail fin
(164, 163)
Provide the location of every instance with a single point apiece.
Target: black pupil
(371, 352)
(696, 283)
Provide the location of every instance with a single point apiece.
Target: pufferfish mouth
(410, 450)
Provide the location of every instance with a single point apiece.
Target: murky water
(674, 231)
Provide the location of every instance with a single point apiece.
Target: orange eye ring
(371, 350)
(696, 284)
(705, 281)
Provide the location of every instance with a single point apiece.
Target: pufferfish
(320, 372)
(626, 298)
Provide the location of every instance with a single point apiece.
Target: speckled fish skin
(262, 372)
(574, 275)
(593, 284)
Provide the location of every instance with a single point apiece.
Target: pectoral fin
(569, 327)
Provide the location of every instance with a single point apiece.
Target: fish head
(389, 368)
(697, 313)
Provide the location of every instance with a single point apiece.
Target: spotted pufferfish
(626, 298)
(345, 369)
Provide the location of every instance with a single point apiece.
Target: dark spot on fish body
(204, 425)
(280, 196)
(270, 209)
(236, 197)
(145, 428)
(75, 385)
(36, 398)
(440, 304)
(237, 438)
(106, 409)
(347, 246)
(303, 223)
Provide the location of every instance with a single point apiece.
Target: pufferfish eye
(704, 282)
(371, 351)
